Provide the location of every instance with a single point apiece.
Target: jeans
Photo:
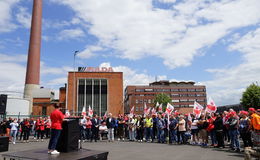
(55, 134)
(110, 134)
(13, 135)
(160, 137)
(213, 137)
(131, 135)
(148, 133)
(173, 134)
(234, 139)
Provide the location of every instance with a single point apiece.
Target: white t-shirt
(194, 124)
(103, 128)
(14, 126)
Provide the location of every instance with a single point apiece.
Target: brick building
(100, 88)
(182, 94)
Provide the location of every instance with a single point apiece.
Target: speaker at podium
(69, 138)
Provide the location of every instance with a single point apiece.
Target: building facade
(101, 89)
(182, 94)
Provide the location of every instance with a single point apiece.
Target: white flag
(84, 113)
(197, 109)
(169, 108)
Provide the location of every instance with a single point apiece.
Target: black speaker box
(69, 138)
(4, 144)
(3, 101)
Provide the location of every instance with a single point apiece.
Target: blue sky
(211, 42)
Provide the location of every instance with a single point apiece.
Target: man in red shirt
(56, 127)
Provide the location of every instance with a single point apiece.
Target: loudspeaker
(3, 101)
(69, 138)
(4, 144)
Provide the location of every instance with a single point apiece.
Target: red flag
(169, 108)
(211, 106)
(197, 109)
(145, 109)
(153, 111)
(90, 111)
(189, 117)
(132, 111)
(105, 115)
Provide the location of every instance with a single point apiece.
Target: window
(183, 100)
(145, 100)
(200, 95)
(184, 105)
(183, 90)
(175, 95)
(174, 90)
(136, 101)
(166, 90)
(199, 90)
(159, 90)
(149, 101)
(200, 100)
(148, 90)
(183, 95)
(191, 95)
(191, 90)
(140, 101)
(141, 108)
(192, 100)
(175, 100)
(44, 110)
(136, 109)
(139, 90)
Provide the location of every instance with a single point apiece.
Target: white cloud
(136, 29)
(6, 24)
(229, 83)
(12, 71)
(23, 17)
(133, 77)
(167, 1)
(71, 34)
(57, 81)
(89, 51)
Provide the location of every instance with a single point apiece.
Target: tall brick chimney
(32, 79)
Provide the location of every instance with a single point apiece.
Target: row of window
(141, 108)
(140, 101)
(172, 90)
(175, 95)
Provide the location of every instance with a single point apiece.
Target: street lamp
(74, 89)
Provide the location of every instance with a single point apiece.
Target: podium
(69, 138)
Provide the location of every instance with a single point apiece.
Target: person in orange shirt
(255, 119)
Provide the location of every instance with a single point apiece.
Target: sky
(212, 42)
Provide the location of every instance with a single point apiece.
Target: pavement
(142, 151)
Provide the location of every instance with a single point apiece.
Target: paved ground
(144, 151)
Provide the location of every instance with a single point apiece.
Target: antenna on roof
(156, 78)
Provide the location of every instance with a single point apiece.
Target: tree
(251, 97)
(162, 98)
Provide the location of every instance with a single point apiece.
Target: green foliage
(162, 98)
(251, 97)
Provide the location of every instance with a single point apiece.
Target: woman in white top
(194, 130)
(14, 128)
(181, 130)
(103, 130)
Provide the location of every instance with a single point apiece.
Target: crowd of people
(221, 130)
(17, 129)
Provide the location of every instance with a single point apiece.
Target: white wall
(16, 105)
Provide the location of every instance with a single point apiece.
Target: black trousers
(94, 134)
(246, 137)
(220, 138)
(40, 133)
(26, 134)
(139, 132)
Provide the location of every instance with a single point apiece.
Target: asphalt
(143, 151)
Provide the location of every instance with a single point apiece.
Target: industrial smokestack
(32, 79)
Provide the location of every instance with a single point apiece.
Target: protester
(14, 129)
(103, 130)
(120, 129)
(148, 123)
(110, 125)
(56, 127)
